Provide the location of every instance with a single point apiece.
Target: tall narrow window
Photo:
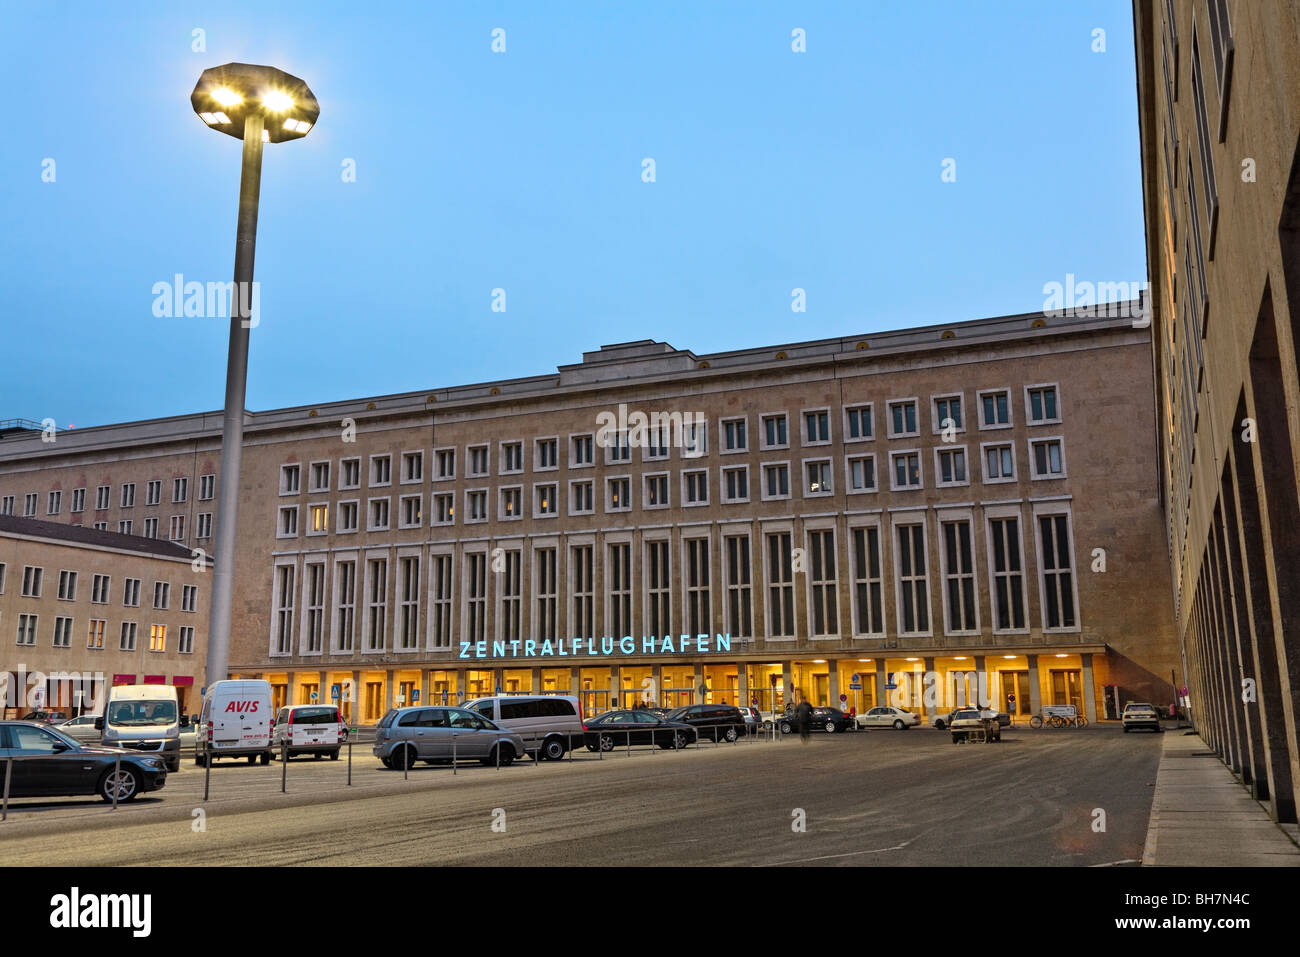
(545, 625)
(658, 584)
(1008, 575)
(583, 624)
(868, 606)
(740, 615)
(408, 570)
(959, 576)
(284, 575)
(440, 600)
(376, 604)
(315, 606)
(476, 601)
(619, 574)
(699, 607)
(780, 586)
(914, 597)
(1058, 584)
(345, 580)
(825, 611)
(511, 596)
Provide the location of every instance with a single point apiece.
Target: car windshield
(141, 714)
(1139, 707)
(965, 714)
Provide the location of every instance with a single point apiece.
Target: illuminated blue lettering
(647, 645)
(685, 643)
(627, 644)
(546, 647)
(498, 649)
(702, 642)
(607, 645)
(480, 649)
(668, 648)
(529, 645)
(724, 642)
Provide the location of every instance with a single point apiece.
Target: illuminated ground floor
(1020, 684)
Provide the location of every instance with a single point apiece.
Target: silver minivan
(549, 724)
(442, 734)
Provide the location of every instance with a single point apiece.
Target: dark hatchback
(823, 719)
(48, 763)
(620, 729)
(719, 722)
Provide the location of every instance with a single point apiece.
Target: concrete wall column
(657, 675)
(881, 693)
(390, 690)
(697, 679)
(984, 693)
(425, 684)
(535, 680)
(786, 679)
(1035, 691)
(742, 683)
(834, 684)
(927, 708)
(1089, 690)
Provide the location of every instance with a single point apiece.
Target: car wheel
(553, 749)
(252, 759)
(404, 757)
(266, 757)
(334, 755)
(785, 728)
(607, 742)
(939, 724)
(125, 782)
(507, 755)
(174, 766)
(198, 760)
(731, 735)
(899, 726)
(679, 740)
(830, 727)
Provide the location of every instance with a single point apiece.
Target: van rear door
(314, 727)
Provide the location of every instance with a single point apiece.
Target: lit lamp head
(224, 96)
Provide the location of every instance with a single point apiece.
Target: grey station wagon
(440, 735)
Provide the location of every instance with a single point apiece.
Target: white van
(314, 729)
(143, 718)
(549, 724)
(236, 722)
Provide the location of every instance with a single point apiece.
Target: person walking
(803, 718)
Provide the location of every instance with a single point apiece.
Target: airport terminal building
(837, 518)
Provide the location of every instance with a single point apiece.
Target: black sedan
(618, 729)
(48, 763)
(823, 719)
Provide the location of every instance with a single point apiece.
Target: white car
(1136, 715)
(888, 717)
(82, 729)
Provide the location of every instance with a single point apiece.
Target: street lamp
(256, 104)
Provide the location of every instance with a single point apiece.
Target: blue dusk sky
(522, 171)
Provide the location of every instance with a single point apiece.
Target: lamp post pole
(232, 426)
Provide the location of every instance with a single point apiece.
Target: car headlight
(154, 763)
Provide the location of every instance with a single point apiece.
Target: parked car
(315, 729)
(549, 724)
(753, 718)
(442, 734)
(49, 717)
(189, 731)
(82, 729)
(964, 719)
(617, 729)
(944, 719)
(236, 721)
(822, 719)
(720, 722)
(888, 717)
(51, 763)
(1140, 715)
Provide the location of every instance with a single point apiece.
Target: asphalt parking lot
(1047, 797)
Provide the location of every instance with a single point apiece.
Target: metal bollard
(207, 774)
(117, 778)
(284, 767)
(498, 753)
(9, 770)
(349, 761)
(629, 743)
(453, 752)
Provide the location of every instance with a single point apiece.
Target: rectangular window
(315, 573)
(1058, 584)
(695, 437)
(1201, 111)
(511, 502)
(947, 414)
(825, 588)
(351, 473)
(476, 590)
(734, 438)
(204, 526)
(548, 454)
(995, 409)
(656, 444)
(999, 463)
(659, 588)
(816, 427)
(618, 446)
(914, 597)
(95, 635)
(776, 481)
(320, 477)
(411, 510)
(902, 418)
(208, 485)
(861, 473)
(581, 560)
(618, 572)
(128, 495)
(510, 585)
(62, 632)
(153, 492)
(546, 624)
(440, 600)
(290, 479)
(185, 642)
(868, 603)
(857, 423)
(444, 464)
(162, 595)
(67, 586)
(512, 457)
(735, 484)
(27, 629)
(101, 497)
(817, 478)
(740, 598)
(1042, 405)
(582, 451)
(55, 503)
(780, 586)
(378, 516)
(618, 495)
(345, 580)
(656, 491)
(131, 593)
(582, 502)
(444, 509)
(288, 526)
(3, 566)
(695, 487)
(103, 527)
(124, 526)
(381, 470)
(151, 528)
(951, 466)
(907, 469)
(959, 577)
(775, 435)
(699, 606)
(1048, 458)
(376, 604)
(1008, 575)
(32, 577)
(476, 504)
(284, 578)
(126, 642)
(78, 500)
(408, 583)
(478, 460)
(98, 589)
(349, 516)
(180, 490)
(189, 598)
(545, 496)
(176, 530)
(29, 504)
(412, 467)
(158, 638)
(318, 519)
(7, 505)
